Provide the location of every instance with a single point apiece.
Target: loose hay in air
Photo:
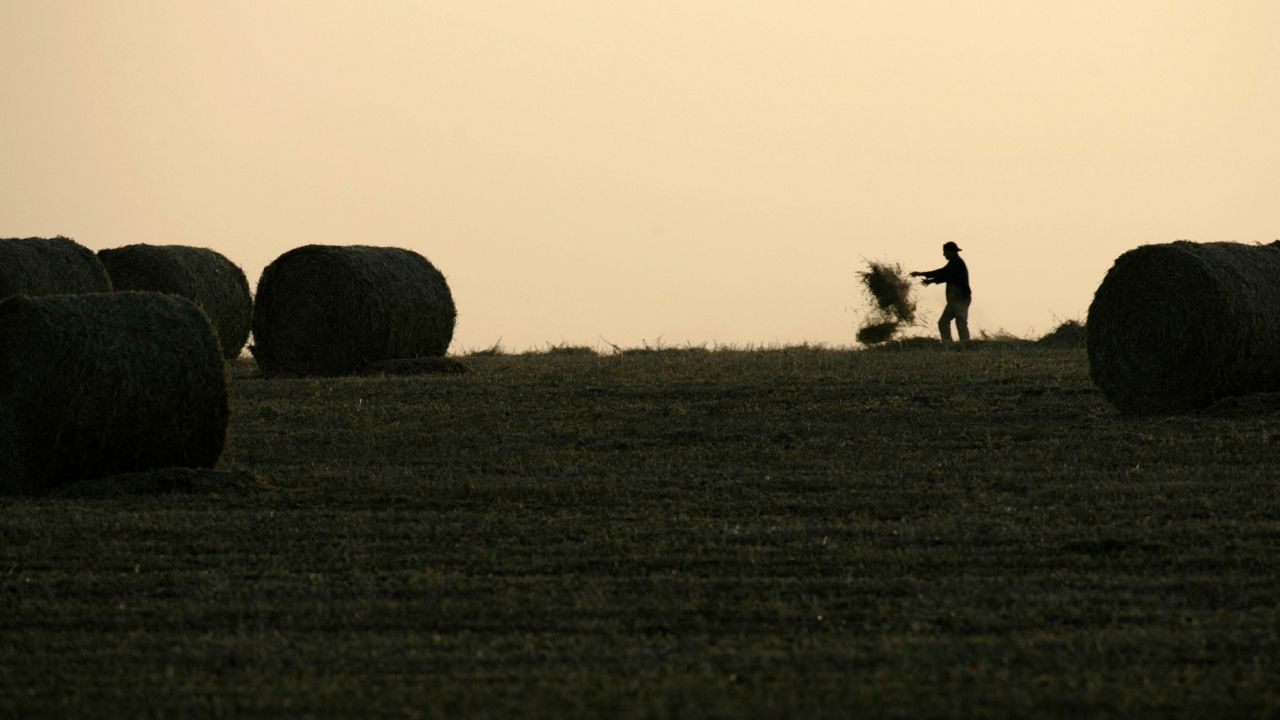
(877, 332)
(106, 383)
(1177, 326)
(890, 291)
(207, 278)
(330, 310)
(49, 266)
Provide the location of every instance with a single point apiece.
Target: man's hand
(918, 274)
(928, 281)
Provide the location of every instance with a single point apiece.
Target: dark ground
(797, 532)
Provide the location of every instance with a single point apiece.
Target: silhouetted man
(956, 275)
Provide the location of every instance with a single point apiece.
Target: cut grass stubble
(715, 533)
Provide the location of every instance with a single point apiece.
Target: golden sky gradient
(705, 171)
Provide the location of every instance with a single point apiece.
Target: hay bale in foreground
(215, 284)
(1180, 325)
(330, 310)
(49, 266)
(106, 383)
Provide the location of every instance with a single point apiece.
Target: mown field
(799, 532)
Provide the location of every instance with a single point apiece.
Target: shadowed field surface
(671, 533)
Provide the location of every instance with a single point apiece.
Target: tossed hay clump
(876, 333)
(106, 383)
(890, 292)
(207, 278)
(49, 266)
(330, 310)
(1177, 326)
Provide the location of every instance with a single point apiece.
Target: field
(751, 533)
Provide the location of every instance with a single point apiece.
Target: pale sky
(693, 171)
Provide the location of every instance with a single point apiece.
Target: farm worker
(956, 275)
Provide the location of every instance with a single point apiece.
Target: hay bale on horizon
(105, 383)
(49, 266)
(1178, 326)
(332, 310)
(215, 284)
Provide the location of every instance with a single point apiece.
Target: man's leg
(960, 309)
(944, 324)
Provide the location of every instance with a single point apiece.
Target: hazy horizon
(706, 173)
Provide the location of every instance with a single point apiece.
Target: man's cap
(950, 246)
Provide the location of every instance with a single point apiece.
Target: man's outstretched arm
(933, 276)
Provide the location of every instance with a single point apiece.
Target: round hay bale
(106, 383)
(330, 310)
(49, 266)
(207, 278)
(1180, 325)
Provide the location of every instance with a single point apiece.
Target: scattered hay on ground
(243, 368)
(579, 350)
(663, 350)
(1178, 326)
(892, 297)
(207, 278)
(415, 366)
(330, 310)
(1244, 406)
(928, 344)
(166, 481)
(494, 350)
(1069, 334)
(105, 383)
(49, 266)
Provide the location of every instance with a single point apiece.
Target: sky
(705, 172)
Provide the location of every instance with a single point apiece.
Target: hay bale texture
(1177, 326)
(106, 383)
(330, 310)
(49, 266)
(207, 278)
